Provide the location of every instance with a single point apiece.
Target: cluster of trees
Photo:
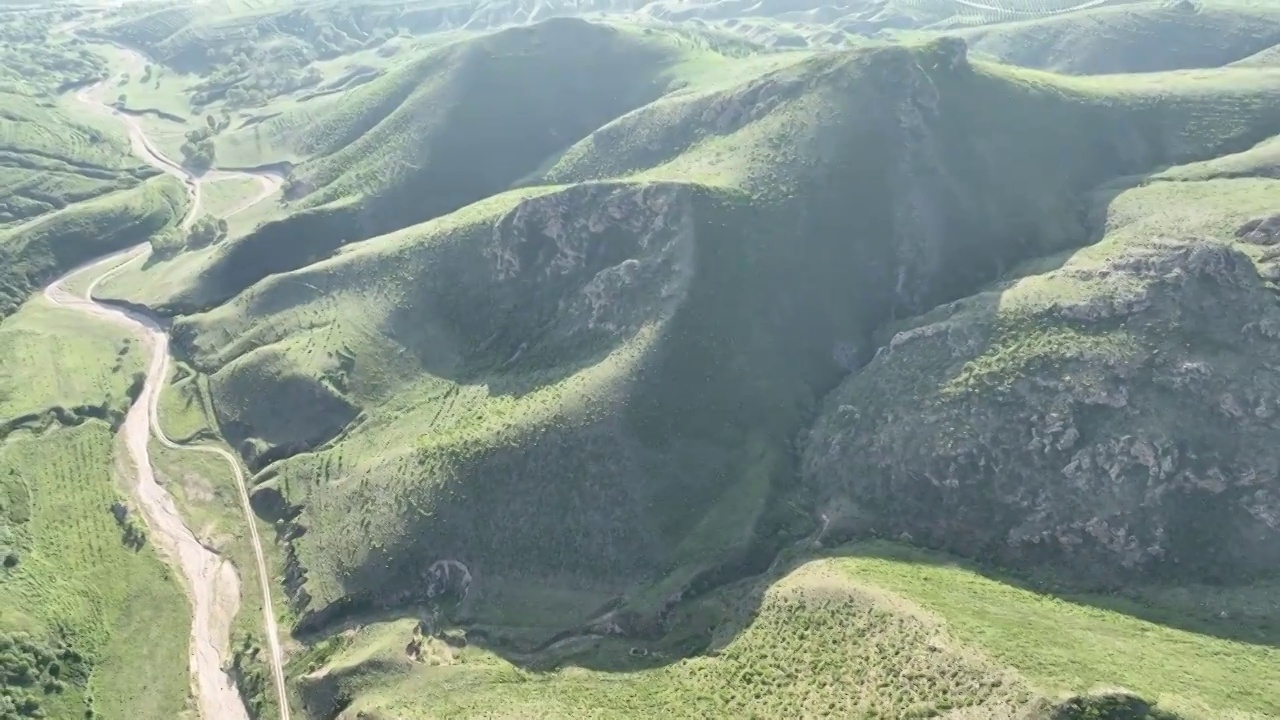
(205, 231)
(249, 671)
(9, 555)
(248, 75)
(199, 152)
(30, 670)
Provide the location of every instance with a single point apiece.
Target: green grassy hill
(50, 159)
(871, 630)
(1266, 58)
(1134, 37)
(583, 359)
(33, 254)
(450, 128)
(626, 343)
(37, 57)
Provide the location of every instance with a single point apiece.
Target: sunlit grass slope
(109, 611)
(49, 161)
(874, 631)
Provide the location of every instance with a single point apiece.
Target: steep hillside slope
(448, 129)
(1107, 412)
(1142, 37)
(598, 385)
(577, 343)
(425, 125)
(34, 253)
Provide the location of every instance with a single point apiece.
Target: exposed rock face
(1125, 426)
(1261, 231)
(607, 253)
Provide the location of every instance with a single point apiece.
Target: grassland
(871, 630)
(1261, 160)
(49, 161)
(559, 304)
(1133, 37)
(57, 359)
(416, 417)
(73, 579)
(85, 605)
(77, 582)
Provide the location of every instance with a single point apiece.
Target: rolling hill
(34, 253)
(892, 359)
(618, 336)
(1137, 37)
(871, 630)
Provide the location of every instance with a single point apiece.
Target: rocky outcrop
(1261, 231)
(598, 256)
(1114, 418)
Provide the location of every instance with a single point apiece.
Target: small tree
(167, 244)
(206, 231)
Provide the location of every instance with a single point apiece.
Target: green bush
(31, 670)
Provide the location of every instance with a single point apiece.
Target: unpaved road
(268, 182)
(211, 581)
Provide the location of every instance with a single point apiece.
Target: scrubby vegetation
(205, 231)
(873, 630)
(31, 669)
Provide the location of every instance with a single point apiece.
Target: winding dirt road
(211, 580)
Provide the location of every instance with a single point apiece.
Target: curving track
(211, 581)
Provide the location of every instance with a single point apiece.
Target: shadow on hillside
(979, 293)
(706, 614)
(707, 624)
